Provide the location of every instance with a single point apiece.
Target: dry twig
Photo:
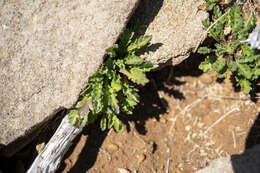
(221, 118)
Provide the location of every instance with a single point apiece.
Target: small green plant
(211, 3)
(229, 53)
(112, 89)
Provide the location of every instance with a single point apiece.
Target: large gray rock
(248, 162)
(48, 49)
(176, 28)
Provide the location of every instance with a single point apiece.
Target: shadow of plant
(150, 106)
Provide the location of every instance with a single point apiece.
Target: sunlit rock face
(48, 49)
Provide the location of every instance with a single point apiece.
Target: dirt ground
(183, 121)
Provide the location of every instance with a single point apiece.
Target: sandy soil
(182, 123)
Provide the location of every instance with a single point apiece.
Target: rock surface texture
(176, 28)
(247, 162)
(48, 49)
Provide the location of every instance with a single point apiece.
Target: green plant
(229, 53)
(112, 88)
(211, 3)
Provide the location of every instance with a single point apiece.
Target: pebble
(4, 27)
(121, 170)
(206, 79)
(112, 147)
(227, 30)
(187, 128)
(40, 147)
(140, 158)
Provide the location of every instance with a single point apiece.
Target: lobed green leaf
(113, 102)
(206, 65)
(138, 44)
(204, 50)
(220, 64)
(111, 120)
(237, 19)
(118, 125)
(133, 60)
(232, 66)
(116, 83)
(135, 75)
(245, 71)
(244, 83)
(103, 123)
(126, 38)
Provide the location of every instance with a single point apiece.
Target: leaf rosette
(112, 89)
(230, 53)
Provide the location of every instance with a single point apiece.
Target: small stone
(194, 135)
(187, 128)
(227, 30)
(121, 170)
(140, 158)
(4, 27)
(112, 147)
(206, 79)
(40, 147)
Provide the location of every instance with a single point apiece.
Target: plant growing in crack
(112, 89)
(230, 53)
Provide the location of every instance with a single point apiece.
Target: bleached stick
(221, 118)
(234, 138)
(167, 165)
(49, 158)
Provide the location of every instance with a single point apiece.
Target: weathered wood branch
(49, 158)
